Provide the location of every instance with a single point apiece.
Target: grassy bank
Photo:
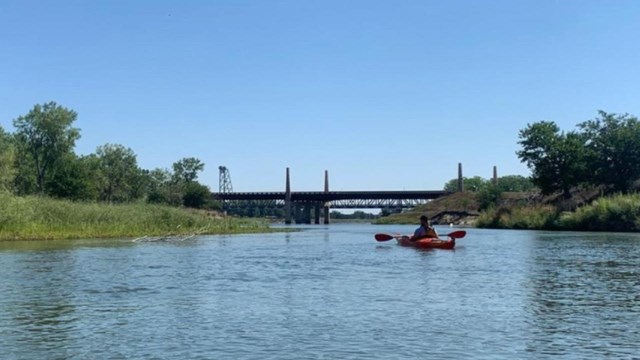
(530, 217)
(615, 213)
(410, 217)
(444, 210)
(525, 211)
(46, 218)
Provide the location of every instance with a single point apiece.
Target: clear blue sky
(385, 95)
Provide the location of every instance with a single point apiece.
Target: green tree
(196, 195)
(138, 184)
(45, 135)
(614, 144)
(489, 196)
(25, 177)
(451, 185)
(515, 183)
(558, 161)
(161, 188)
(358, 214)
(186, 169)
(74, 178)
(7, 158)
(119, 171)
(473, 184)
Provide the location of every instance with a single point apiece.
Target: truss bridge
(334, 199)
(301, 204)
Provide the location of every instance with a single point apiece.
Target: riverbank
(42, 218)
(459, 209)
(585, 211)
(612, 213)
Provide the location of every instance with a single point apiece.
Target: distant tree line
(603, 152)
(257, 211)
(479, 184)
(358, 215)
(39, 158)
(279, 212)
(489, 191)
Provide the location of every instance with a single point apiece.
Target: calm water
(324, 293)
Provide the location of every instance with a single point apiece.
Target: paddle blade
(457, 234)
(383, 237)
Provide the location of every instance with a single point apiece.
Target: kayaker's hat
(424, 217)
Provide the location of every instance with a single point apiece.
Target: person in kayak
(425, 230)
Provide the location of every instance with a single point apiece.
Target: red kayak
(426, 243)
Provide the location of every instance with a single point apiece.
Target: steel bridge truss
(335, 204)
(335, 200)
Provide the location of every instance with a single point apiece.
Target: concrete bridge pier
(460, 178)
(299, 205)
(326, 214)
(297, 213)
(316, 213)
(302, 213)
(326, 205)
(287, 201)
(306, 214)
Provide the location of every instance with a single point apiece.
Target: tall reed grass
(45, 218)
(615, 213)
(539, 217)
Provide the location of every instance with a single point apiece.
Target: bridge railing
(336, 204)
(329, 196)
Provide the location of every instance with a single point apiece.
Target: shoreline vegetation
(44, 218)
(617, 213)
(525, 211)
(108, 195)
(47, 191)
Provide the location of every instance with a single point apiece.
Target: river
(326, 292)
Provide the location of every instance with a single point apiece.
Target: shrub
(615, 213)
(34, 217)
(540, 217)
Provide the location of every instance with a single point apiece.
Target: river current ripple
(325, 292)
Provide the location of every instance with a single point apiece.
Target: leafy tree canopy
(557, 160)
(39, 158)
(73, 178)
(45, 135)
(187, 169)
(196, 195)
(119, 170)
(613, 142)
(473, 184)
(479, 184)
(604, 151)
(7, 156)
(515, 183)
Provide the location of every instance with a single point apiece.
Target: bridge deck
(321, 196)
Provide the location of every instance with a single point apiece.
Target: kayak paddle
(384, 237)
(455, 235)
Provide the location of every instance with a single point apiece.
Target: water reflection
(325, 292)
(585, 288)
(39, 313)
